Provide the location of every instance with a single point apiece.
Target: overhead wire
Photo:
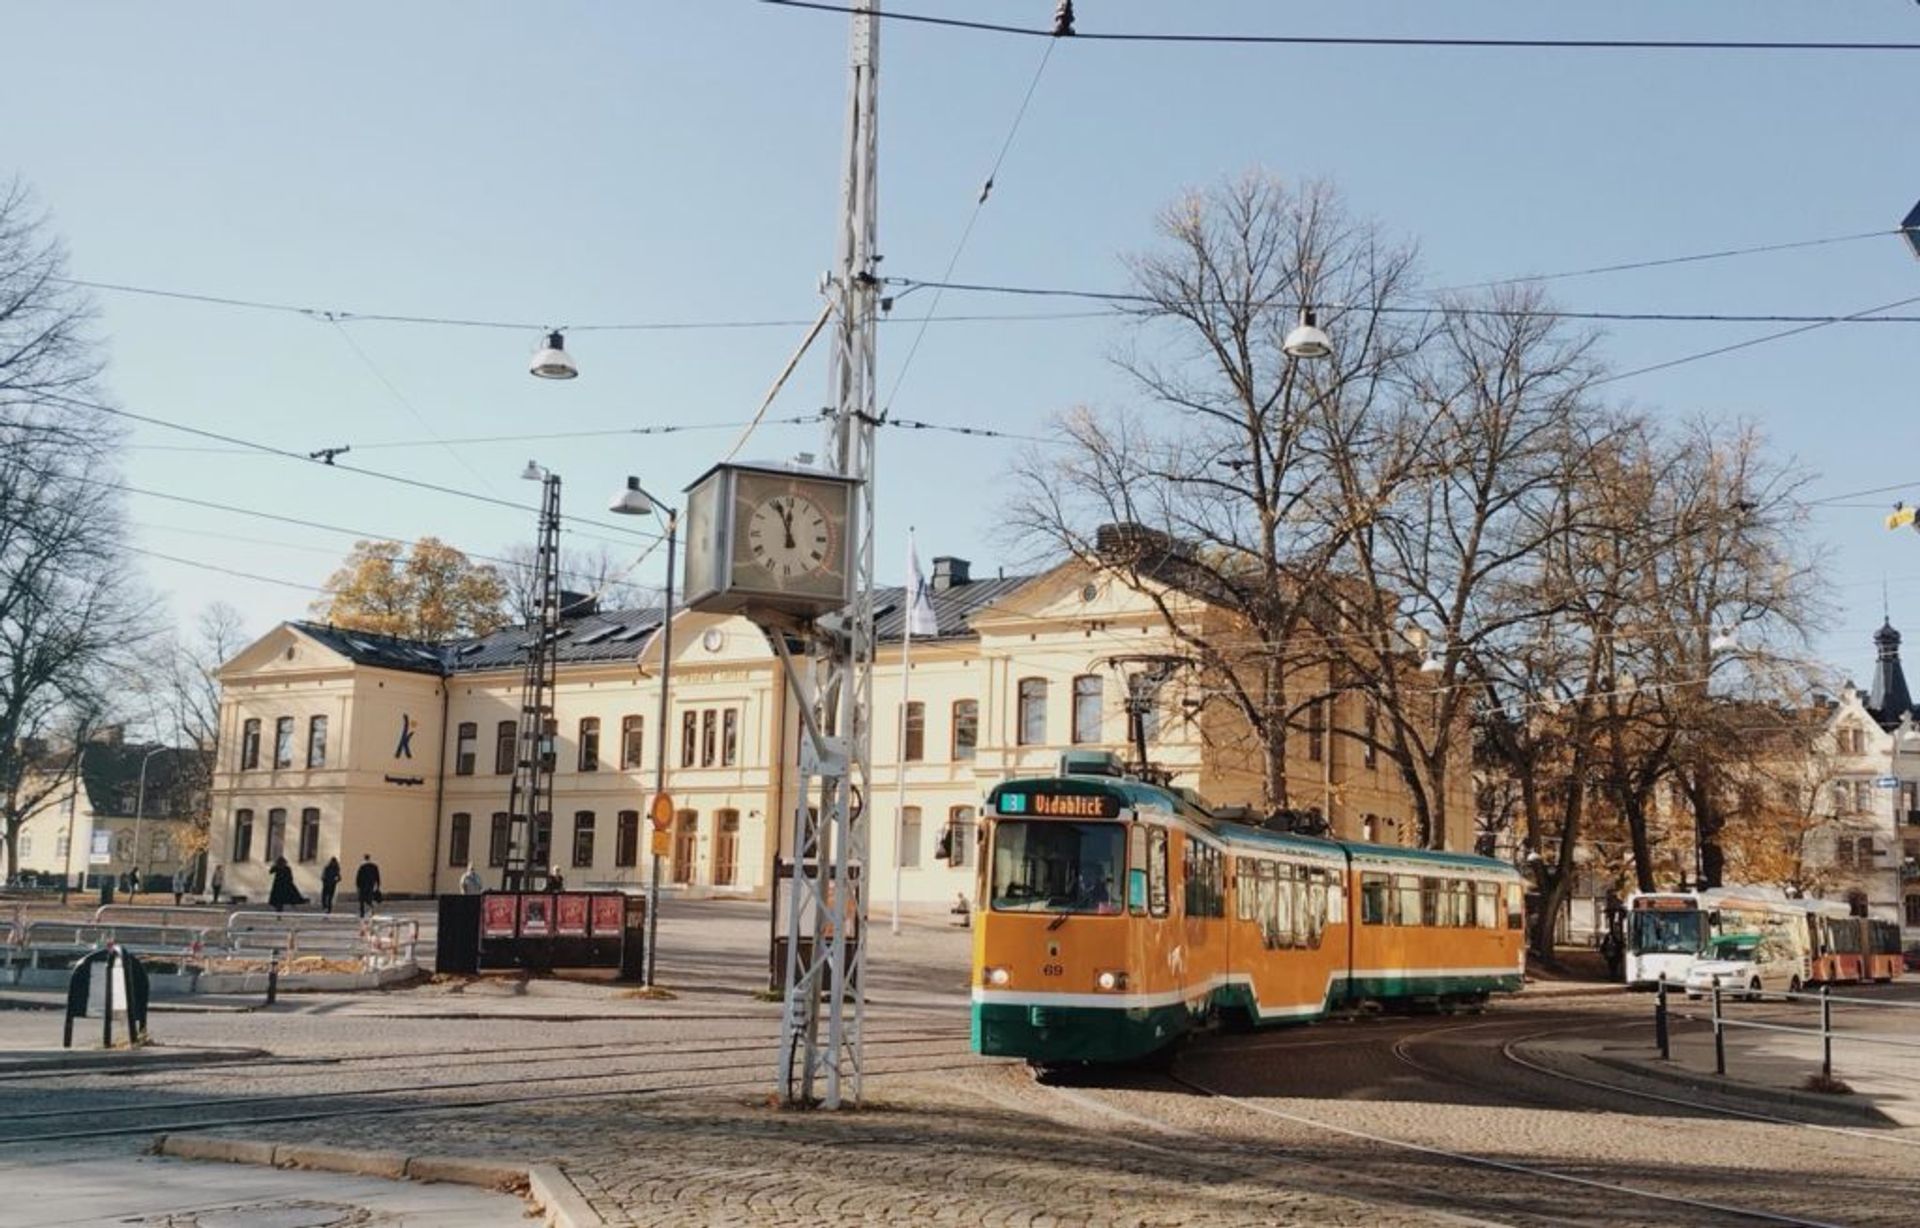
(407, 404)
(1346, 40)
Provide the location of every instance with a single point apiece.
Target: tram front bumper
(1042, 1033)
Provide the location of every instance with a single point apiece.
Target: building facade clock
(774, 542)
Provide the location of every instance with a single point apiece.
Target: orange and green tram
(1115, 916)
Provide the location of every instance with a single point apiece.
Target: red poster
(606, 914)
(536, 915)
(496, 916)
(570, 914)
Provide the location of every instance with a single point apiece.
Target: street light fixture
(635, 501)
(139, 816)
(1308, 340)
(552, 361)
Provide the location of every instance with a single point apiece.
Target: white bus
(1668, 930)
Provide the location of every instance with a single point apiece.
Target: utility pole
(532, 790)
(830, 898)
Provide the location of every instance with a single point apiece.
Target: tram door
(686, 839)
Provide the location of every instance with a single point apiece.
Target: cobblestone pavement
(660, 1112)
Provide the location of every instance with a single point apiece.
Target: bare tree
(1209, 488)
(65, 603)
(597, 573)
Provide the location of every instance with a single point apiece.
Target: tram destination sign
(1049, 805)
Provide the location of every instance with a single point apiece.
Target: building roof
(1889, 701)
(953, 608)
(111, 774)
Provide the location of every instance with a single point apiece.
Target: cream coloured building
(340, 743)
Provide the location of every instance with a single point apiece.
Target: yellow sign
(662, 843)
(662, 811)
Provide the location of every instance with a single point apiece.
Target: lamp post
(635, 501)
(139, 816)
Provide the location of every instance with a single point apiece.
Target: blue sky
(676, 161)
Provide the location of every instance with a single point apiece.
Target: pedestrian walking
(470, 883)
(283, 892)
(182, 879)
(218, 881)
(1614, 952)
(366, 883)
(133, 884)
(329, 885)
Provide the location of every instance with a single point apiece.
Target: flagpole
(900, 755)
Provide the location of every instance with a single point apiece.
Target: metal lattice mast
(829, 905)
(532, 793)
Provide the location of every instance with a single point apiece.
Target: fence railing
(200, 939)
(1824, 998)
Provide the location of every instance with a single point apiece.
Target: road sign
(662, 811)
(101, 851)
(662, 843)
(1887, 782)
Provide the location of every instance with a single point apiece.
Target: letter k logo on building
(405, 748)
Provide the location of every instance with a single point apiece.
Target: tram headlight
(996, 977)
(1110, 980)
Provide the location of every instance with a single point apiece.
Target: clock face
(788, 535)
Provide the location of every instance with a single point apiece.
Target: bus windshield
(1676, 931)
(1057, 867)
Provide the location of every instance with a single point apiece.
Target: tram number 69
(1052, 970)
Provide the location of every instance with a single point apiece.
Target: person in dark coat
(366, 883)
(329, 884)
(217, 882)
(283, 892)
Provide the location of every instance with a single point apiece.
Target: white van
(1746, 965)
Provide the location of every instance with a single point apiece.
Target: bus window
(1677, 931)
(1406, 896)
(1157, 872)
(1430, 901)
(1373, 899)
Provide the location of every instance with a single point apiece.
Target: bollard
(1826, 1033)
(106, 1014)
(1719, 1034)
(273, 976)
(1660, 1037)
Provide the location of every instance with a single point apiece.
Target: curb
(1731, 1089)
(123, 1059)
(553, 1195)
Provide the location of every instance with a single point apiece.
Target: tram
(1115, 916)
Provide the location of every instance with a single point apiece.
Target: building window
(465, 748)
(249, 745)
(1032, 725)
(459, 839)
(283, 742)
(966, 728)
(730, 737)
(626, 843)
(707, 738)
(1913, 910)
(498, 837)
(310, 834)
(633, 741)
(276, 835)
(316, 742)
(726, 846)
(960, 824)
(242, 834)
(1317, 731)
(582, 839)
(913, 747)
(1369, 752)
(26, 846)
(505, 734)
(590, 744)
(909, 851)
(61, 845)
(1086, 709)
(689, 735)
(1843, 852)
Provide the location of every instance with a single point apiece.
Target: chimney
(949, 572)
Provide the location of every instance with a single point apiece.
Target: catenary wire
(1666, 261)
(229, 571)
(407, 404)
(1344, 40)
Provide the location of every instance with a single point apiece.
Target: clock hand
(786, 519)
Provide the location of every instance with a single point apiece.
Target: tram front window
(1058, 867)
(1680, 932)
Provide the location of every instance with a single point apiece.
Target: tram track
(185, 1115)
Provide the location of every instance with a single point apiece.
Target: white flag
(920, 617)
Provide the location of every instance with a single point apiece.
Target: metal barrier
(1826, 998)
(196, 940)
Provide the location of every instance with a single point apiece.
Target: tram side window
(1244, 887)
(1316, 908)
(1429, 901)
(1486, 906)
(1336, 898)
(1157, 872)
(1280, 920)
(1516, 908)
(1406, 900)
(1373, 899)
(1463, 904)
(1137, 869)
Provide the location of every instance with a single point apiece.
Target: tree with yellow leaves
(434, 592)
